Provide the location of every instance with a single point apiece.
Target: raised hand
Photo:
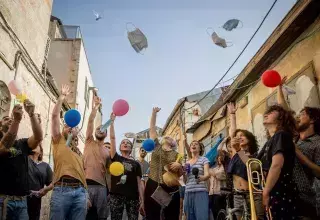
(231, 108)
(65, 90)
(156, 109)
(283, 81)
(235, 143)
(29, 107)
(17, 112)
(97, 102)
(112, 117)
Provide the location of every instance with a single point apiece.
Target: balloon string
(106, 125)
(69, 140)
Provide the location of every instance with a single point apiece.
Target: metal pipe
(4, 59)
(16, 63)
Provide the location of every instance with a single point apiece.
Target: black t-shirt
(280, 142)
(39, 175)
(132, 170)
(14, 170)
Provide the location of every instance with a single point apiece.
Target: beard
(100, 137)
(4, 128)
(303, 127)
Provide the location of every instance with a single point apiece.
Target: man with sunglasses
(143, 163)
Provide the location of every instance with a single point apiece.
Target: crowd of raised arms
(167, 188)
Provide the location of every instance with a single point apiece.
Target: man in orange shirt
(96, 156)
(69, 196)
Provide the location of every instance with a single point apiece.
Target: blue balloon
(72, 118)
(148, 145)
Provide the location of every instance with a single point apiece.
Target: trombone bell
(256, 182)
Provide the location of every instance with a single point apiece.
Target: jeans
(16, 209)
(68, 203)
(99, 202)
(196, 205)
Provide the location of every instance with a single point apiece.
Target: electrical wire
(235, 61)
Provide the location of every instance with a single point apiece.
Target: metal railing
(71, 31)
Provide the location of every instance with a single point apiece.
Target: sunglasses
(143, 151)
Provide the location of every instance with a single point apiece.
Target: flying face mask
(231, 24)
(137, 40)
(219, 41)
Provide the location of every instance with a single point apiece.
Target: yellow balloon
(116, 169)
(21, 97)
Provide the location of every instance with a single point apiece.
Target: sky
(181, 58)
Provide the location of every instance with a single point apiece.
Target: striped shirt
(192, 185)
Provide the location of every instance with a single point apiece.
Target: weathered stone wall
(24, 27)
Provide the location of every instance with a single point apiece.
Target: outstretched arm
(37, 136)
(55, 125)
(186, 145)
(280, 96)
(113, 150)
(233, 122)
(9, 137)
(97, 103)
(153, 130)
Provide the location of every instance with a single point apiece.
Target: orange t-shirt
(67, 162)
(95, 158)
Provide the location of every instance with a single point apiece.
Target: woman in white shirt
(217, 180)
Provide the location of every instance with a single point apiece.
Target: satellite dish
(130, 135)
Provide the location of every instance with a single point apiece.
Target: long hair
(314, 115)
(201, 147)
(252, 141)
(286, 121)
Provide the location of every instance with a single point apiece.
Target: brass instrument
(256, 182)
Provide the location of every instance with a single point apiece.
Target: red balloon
(271, 78)
(120, 107)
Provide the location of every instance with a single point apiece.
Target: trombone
(256, 182)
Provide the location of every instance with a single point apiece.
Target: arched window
(5, 100)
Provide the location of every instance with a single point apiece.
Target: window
(5, 99)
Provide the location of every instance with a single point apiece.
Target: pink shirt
(95, 161)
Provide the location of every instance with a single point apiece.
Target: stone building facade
(26, 42)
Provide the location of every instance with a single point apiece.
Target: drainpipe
(16, 63)
(4, 59)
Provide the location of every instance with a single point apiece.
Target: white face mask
(218, 40)
(231, 24)
(137, 40)
(287, 90)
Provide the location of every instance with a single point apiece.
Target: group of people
(167, 188)
(290, 162)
